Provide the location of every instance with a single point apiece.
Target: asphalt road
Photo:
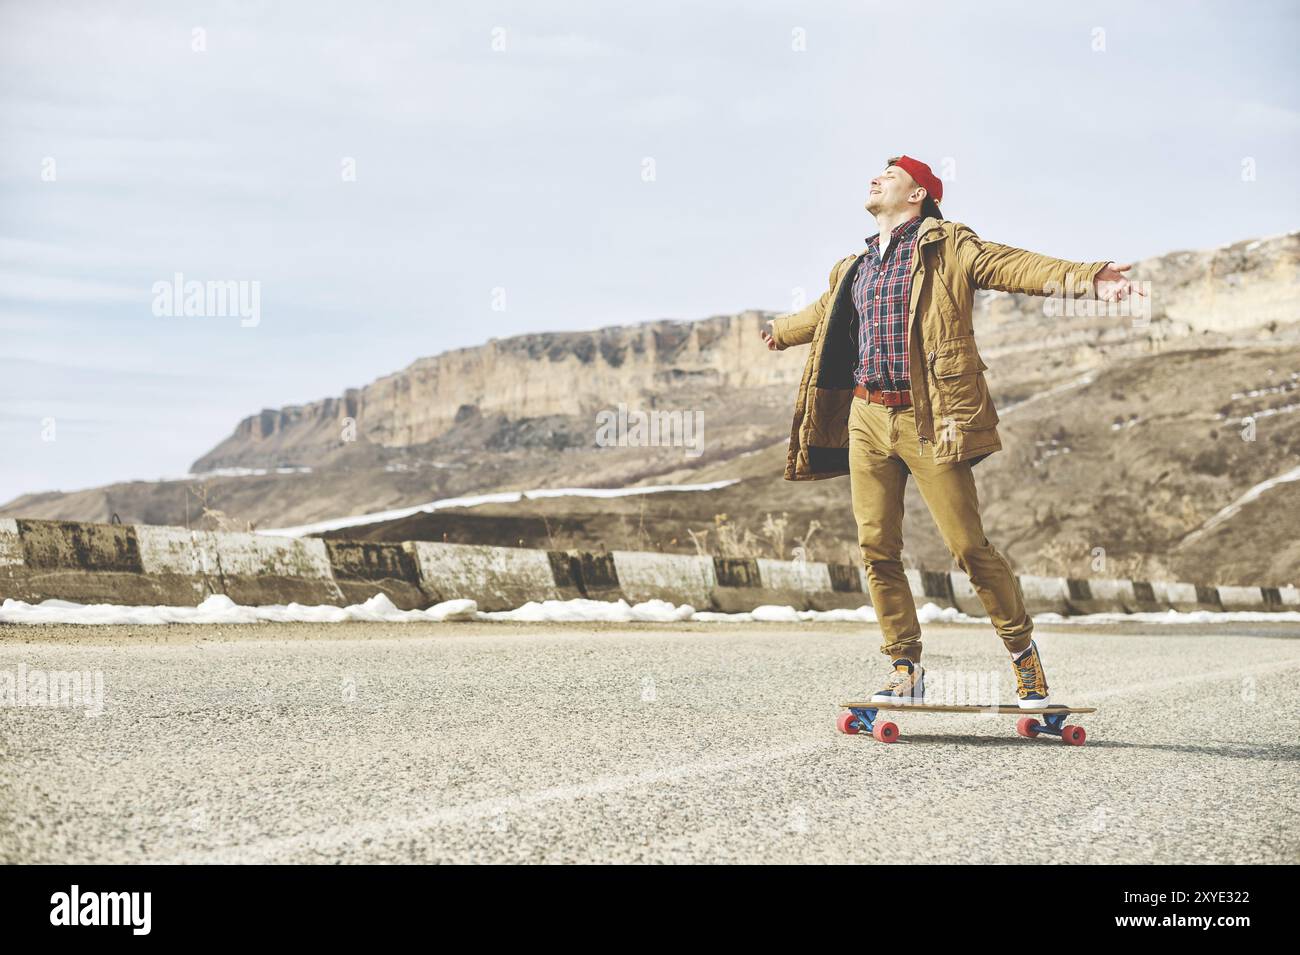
(641, 743)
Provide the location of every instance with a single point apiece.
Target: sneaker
(905, 685)
(1031, 681)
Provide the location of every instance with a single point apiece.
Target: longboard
(861, 718)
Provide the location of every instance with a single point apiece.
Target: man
(894, 385)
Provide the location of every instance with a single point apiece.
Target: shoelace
(1029, 675)
(900, 677)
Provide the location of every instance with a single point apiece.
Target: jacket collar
(931, 231)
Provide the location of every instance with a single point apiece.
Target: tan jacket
(947, 373)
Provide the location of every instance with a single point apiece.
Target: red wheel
(1073, 735)
(885, 732)
(848, 723)
(1025, 727)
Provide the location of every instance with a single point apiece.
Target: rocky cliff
(529, 376)
(1246, 290)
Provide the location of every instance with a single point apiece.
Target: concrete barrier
(848, 589)
(1044, 594)
(1100, 595)
(86, 563)
(1272, 599)
(677, 578)
(939, 588)
(740, 585)
(11, 553)
(499, 578)
(799, 576)
(583, 574)
(145, 564)
(1186, 598)
(1147, 599)
(1158, 592)
(964, 597)
(69, 545)
(811, 583)
(124, 564)
(259, 569)
(363, 569)
(183, 563)
(1243, 598)
(847, 579)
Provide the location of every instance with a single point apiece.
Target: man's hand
(1112, 285)
(768, 340)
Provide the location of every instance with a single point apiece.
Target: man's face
(890, 191)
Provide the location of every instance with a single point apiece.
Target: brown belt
(893, 399)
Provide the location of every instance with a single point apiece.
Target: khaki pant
(883, 449)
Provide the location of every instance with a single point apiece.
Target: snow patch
(219, 608)
(1081, 382)
(474, 500)
(1289, 385)
(1175, 616)
(242, 472)
(594, 611)
(1235, 507)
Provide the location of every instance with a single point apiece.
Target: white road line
(1192, 678)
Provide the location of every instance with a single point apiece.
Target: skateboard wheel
(848, 723)
(1025, 727)
(885, 732)
(1073, 735)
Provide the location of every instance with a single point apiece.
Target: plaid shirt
(881, 292)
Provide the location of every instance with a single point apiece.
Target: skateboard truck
(863, 720)
(1053, 724)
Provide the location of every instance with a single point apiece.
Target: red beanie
(926, 179)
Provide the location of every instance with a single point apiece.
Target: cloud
(42, 288)
(521, 169)
(1267, 117)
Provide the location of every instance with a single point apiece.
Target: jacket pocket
(960, 389)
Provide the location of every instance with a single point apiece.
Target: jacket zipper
(920, 437)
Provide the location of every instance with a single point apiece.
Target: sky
(399, 179)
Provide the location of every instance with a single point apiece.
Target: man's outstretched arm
(992, 265)
(798, 329)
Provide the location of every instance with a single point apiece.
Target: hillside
(1124, 440)
(1107, 478)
